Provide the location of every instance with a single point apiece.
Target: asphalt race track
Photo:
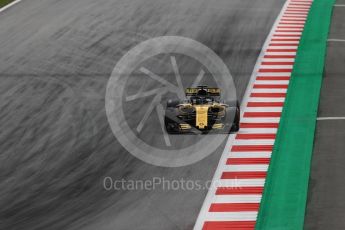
(56, 57)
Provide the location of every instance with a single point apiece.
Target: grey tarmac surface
(56, 57)
(326, 204)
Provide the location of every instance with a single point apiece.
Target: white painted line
(9, 5)
(237, 199)
(257, 120)
(280, 53)
(269, 90)
(287, 19)
(278, 60)
(254, 142)
(290, 33)
(292, 27)
(283, 22)
(276, 87)
(234, 183)
(336, 40)
(271, 82)
(294, 11)
(260, 130)
(284, 67)
(282, 47)
(296, 14)
(299, 7)
(288, 29)
(250, 155)
(276, 67)
(274, 74)
(230, 216)
(266, 99)
(329, 118)
(339, 5)
(246, 168)
(263, 109)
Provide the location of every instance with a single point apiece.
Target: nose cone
(201, 116)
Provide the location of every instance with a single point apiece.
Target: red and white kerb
(234, 203)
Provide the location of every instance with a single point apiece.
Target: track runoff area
(234, 200)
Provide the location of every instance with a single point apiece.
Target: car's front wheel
(170, 126)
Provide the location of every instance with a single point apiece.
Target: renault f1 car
(202, 112)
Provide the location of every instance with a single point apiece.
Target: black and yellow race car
(202, 112)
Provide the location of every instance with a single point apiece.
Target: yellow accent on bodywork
(201, 119)
(185, 126)
(201, 116)
(218, 126)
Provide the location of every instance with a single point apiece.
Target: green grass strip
(5, 2)
(284, 199)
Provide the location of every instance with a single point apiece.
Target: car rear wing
(210, 91)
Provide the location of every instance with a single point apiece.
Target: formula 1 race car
(202, 112)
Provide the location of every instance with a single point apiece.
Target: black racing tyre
(236, 124)
(170, 126)
(172, 103)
